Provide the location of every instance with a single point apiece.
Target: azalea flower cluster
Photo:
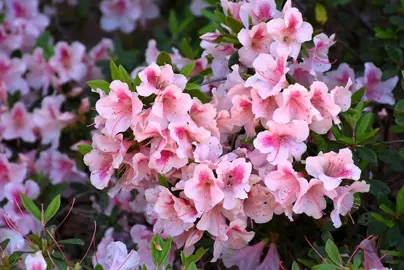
(211, 167)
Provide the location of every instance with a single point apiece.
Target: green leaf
(400, 119)
(163, 58)
(367, 154)
(173, 22)
(358, 95)
(325, 267)
(384, 33)
(368, 135)
(400, 201)
(187, 69)
(160, 250)
(83, 7)
(352, 116)
(394, 53)
(4, 244)
(98, 267)
(341, 137)
(394, 253)
(186, 49)
(204, 98)
(73, 241)
(389, 223)
(295, 266)
(84, 148)
(364, 124)
(333, 253)
(52, 208)
(125, 77)
(163, 181)
(402, 3)
(399, 106)
(114, 71)
(192, 259)
(320, 142)
(99, 84)
(30, 206)
(387, 210)
(320, 13)
(233, 24)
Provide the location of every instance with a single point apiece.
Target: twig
(68, 213)
(214, 81)
(92, 239)
(60, 249)
(307, 240)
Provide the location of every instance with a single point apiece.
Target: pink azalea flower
(117, 257)
(285, 183)
(371, 259)
(340, 76)
(50, 120)
(237, 238)
(10, 172)
(255, 42)
(13, 190)
(233, 8)
(310, 199)
(118, 107)
(35, 261)
(214, 223)
(155, 79)
(294, 103)
(344, 200)
(165, 160)
(269, 78)
(203, 189)
(283, 141)
(272, 260)
(342, 96)
(319, 54)
(259, 11)
(107, 155)
(233, 179)
(68, 62)
(242, 115)
(289, 32)
(323, 101)
(120, 15)
(331, 168)
(11, 73)
(17, 241)
(246, 258)
(263, 108)
(18, 124)
(40, 73)
(172, 104)
(208, 151)
(101, 51)
(102, 245)
(11, 35)
(376, 89)
(185, 135)
(261, 205)
(203, 115)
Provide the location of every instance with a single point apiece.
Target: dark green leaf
(399, 106)
(83, 7)
(357, 96)
(187, 69)
(364, 124)
(204, 98)
(30, 206)
(387, 210)
(114, 71)
(368, 135)
(125, 77)
(163, 181)
(380, 218)
(73, 241)
(340, 137)
(4, 244)
(295, 266)
(400, 119)
(173, 22)
(393, 235)
(99, 84)
(394, 53)
(52, 209)
(98, 267)
(186, 49)
(233, 24)
(163, 58)
(325, 267)
(367, 154)
(84, 148)
(400, 201)
(333, 253)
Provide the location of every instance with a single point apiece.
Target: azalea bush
(142, 134)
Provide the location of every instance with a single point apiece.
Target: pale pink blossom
(155, 79)
(118, 107)
(11, 73)
(185, 135)
(40, 74)
(311, 198)
(107, 155)
(331, 168)
(340, 76)
(233, 8)
(172, 104)
(263, 108)
(233, 179)
(10, 172)
(294, 103)
(376, 89)
(285, 183)
(214, 223)
(203, 189)
(242, 115)
(165, 160)
(261, 205)
(344, 200)
(117, 257)
(203, 115)
(318, 56)
(51, 120)
(237, 238)
(342, 96)
(289, 32)
(255, 42)
(13, 190)
(371, 258)
(259, 11)
(17, 241)
(270, 76)
(272, 260)
(101, 51)
(120, 15)
(102, 245)
(324, 103)
(18, 124)
(35, 261)
(68, 62)
(208, 151)
(283, 141)
(245, 258)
